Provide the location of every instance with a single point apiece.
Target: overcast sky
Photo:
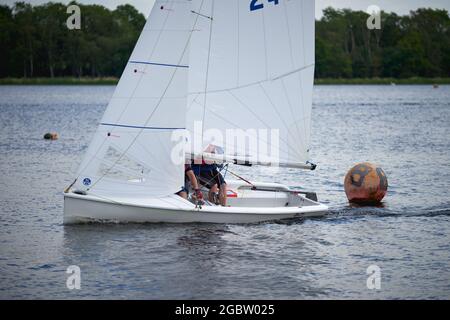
(399, 6)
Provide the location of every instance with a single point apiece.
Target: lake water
(405, 129)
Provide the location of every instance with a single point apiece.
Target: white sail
(252, 68)
(131, 150)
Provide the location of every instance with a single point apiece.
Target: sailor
(189, 177)
(210, 177)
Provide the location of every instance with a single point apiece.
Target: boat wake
(356, 212)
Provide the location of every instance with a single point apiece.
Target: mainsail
(131, 152)
(252, 69)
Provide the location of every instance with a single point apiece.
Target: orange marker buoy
(51, 136)
(366, 183)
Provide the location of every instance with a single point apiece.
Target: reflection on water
(404, 129)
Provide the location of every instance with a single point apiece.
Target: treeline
(415, 45)
(35, 42)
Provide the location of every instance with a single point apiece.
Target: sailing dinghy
(203, 66)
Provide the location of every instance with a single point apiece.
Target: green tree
(6, 41)
(27, 40)
(51, 22)
(36, 42)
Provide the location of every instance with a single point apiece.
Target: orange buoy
(51, 136)
(366, 183)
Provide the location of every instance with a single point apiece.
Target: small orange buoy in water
(51, 136)
(366, 183)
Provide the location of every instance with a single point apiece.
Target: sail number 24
(256, 4)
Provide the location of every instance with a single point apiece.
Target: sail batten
(159, 64)
(255, 83)
(138, 127)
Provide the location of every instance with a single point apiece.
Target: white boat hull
(248, 207)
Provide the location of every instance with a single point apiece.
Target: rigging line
(130, 98)
(70, 186)
(237, 126)
(158, 104)
(225, 167)
(243, 179)
(207, 69)
(279, 116)
(256, 116)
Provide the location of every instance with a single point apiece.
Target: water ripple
(403, 128)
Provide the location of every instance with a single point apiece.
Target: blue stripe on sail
(138, 127)
(160, 64)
